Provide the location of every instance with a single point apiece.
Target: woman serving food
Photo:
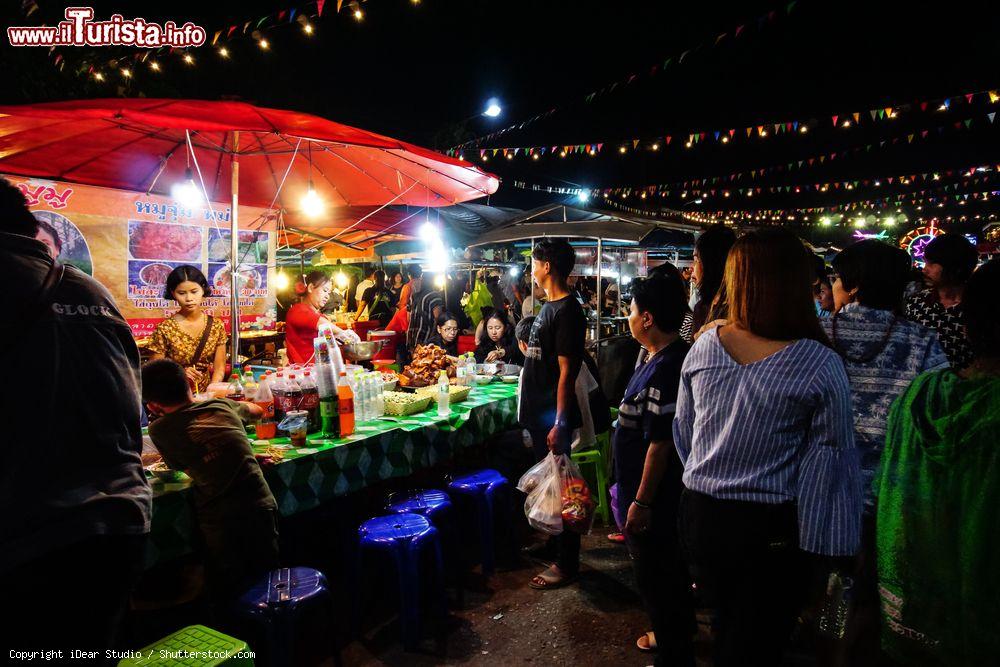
(191, 337)
(303, 319)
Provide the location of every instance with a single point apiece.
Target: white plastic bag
(543, 507)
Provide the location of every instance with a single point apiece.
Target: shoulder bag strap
(204, 341)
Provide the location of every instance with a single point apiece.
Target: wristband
(641, 505)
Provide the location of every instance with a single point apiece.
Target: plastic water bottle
(461, 372)
(326, 383)
(360, 399)
(836, 606)
(444, 409)
(379, 395)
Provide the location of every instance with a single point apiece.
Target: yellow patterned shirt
(171, 342)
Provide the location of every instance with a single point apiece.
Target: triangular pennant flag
(245, 26)
(260, 21)
(881, 113)
(231, 29)
(720, 38)
(215, 38)
(991, 115)
(909, 138)
(874, 113)
(968, 97)
(835, 119)
(635, 143)
(716, 135)
(857, 116)
(738, 30)
(790, 6)
(968, 122)
(923, 106)
(683, 55)
(888, 111)
(749, 130)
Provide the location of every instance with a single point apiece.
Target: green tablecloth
(379, 450)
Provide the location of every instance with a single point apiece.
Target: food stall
(622, 242)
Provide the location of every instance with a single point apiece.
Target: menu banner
(131, 241)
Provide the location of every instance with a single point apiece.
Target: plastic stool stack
(436, 507)
(481, 490)
(193, 639)
(278, 600)
(406, 538)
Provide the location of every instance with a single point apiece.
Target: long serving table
(383, 449)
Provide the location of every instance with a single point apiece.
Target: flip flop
(617, 538)
(552, 577)
(650, 642)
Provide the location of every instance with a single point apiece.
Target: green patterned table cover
(384, 449)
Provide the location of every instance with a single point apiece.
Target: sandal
(617, 537)
(650, 642)
(552, 577)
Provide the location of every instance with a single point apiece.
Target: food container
(510, 379)
(161, 472)
(456, 394)
(402, 403)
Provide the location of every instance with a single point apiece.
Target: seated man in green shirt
(237, 514)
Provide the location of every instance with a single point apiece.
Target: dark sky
(417, 72)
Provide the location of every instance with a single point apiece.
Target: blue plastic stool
(275, 603)
(436, 507)
(481, 488)
(406, 537)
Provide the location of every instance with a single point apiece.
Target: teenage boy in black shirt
(548, 407)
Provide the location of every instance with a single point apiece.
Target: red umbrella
(241, 153)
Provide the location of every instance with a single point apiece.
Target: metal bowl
(362, 351)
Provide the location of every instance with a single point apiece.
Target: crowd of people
(765, 441)
(818, 425)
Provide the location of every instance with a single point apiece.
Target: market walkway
(595, 622)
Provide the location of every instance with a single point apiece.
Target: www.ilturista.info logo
(79, 29)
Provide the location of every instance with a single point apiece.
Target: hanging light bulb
(311, 203)
(224, 52)
(340, 280)
(155, 66)
(126, 72)
(189, 59)
(281, 280)
(186, 192)
(264, 44)
(307, 28)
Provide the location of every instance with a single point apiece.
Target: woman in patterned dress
(179, 336)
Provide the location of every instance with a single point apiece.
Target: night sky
(419, 72)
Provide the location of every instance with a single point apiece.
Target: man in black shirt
(548, 408)
(76, 498)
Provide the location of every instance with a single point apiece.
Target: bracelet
(641, 505)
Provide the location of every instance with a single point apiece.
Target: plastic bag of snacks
(558, 496)
(577, 501)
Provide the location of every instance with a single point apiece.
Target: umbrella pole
(234, 291)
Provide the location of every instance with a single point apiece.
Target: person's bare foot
(647, 642)
(552, 577)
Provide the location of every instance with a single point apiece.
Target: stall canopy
(360, 228)
(139, 145)
(571, 222)
(230, 152)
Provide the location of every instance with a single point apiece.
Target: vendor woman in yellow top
(190, 331)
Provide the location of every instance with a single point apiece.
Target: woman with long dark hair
(710, 252)
(191, 337)
(496, 342)
(303, 319)
(765, 431)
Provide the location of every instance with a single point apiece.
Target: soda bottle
(249, 384)
(235, 392)
(345, 405)
(265, 399)
(310, 400)
(443, 398)
(278, 389)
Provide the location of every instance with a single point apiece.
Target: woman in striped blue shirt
(765, 431)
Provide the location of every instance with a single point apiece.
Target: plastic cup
(267, 430)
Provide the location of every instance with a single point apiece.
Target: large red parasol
(242, 153)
